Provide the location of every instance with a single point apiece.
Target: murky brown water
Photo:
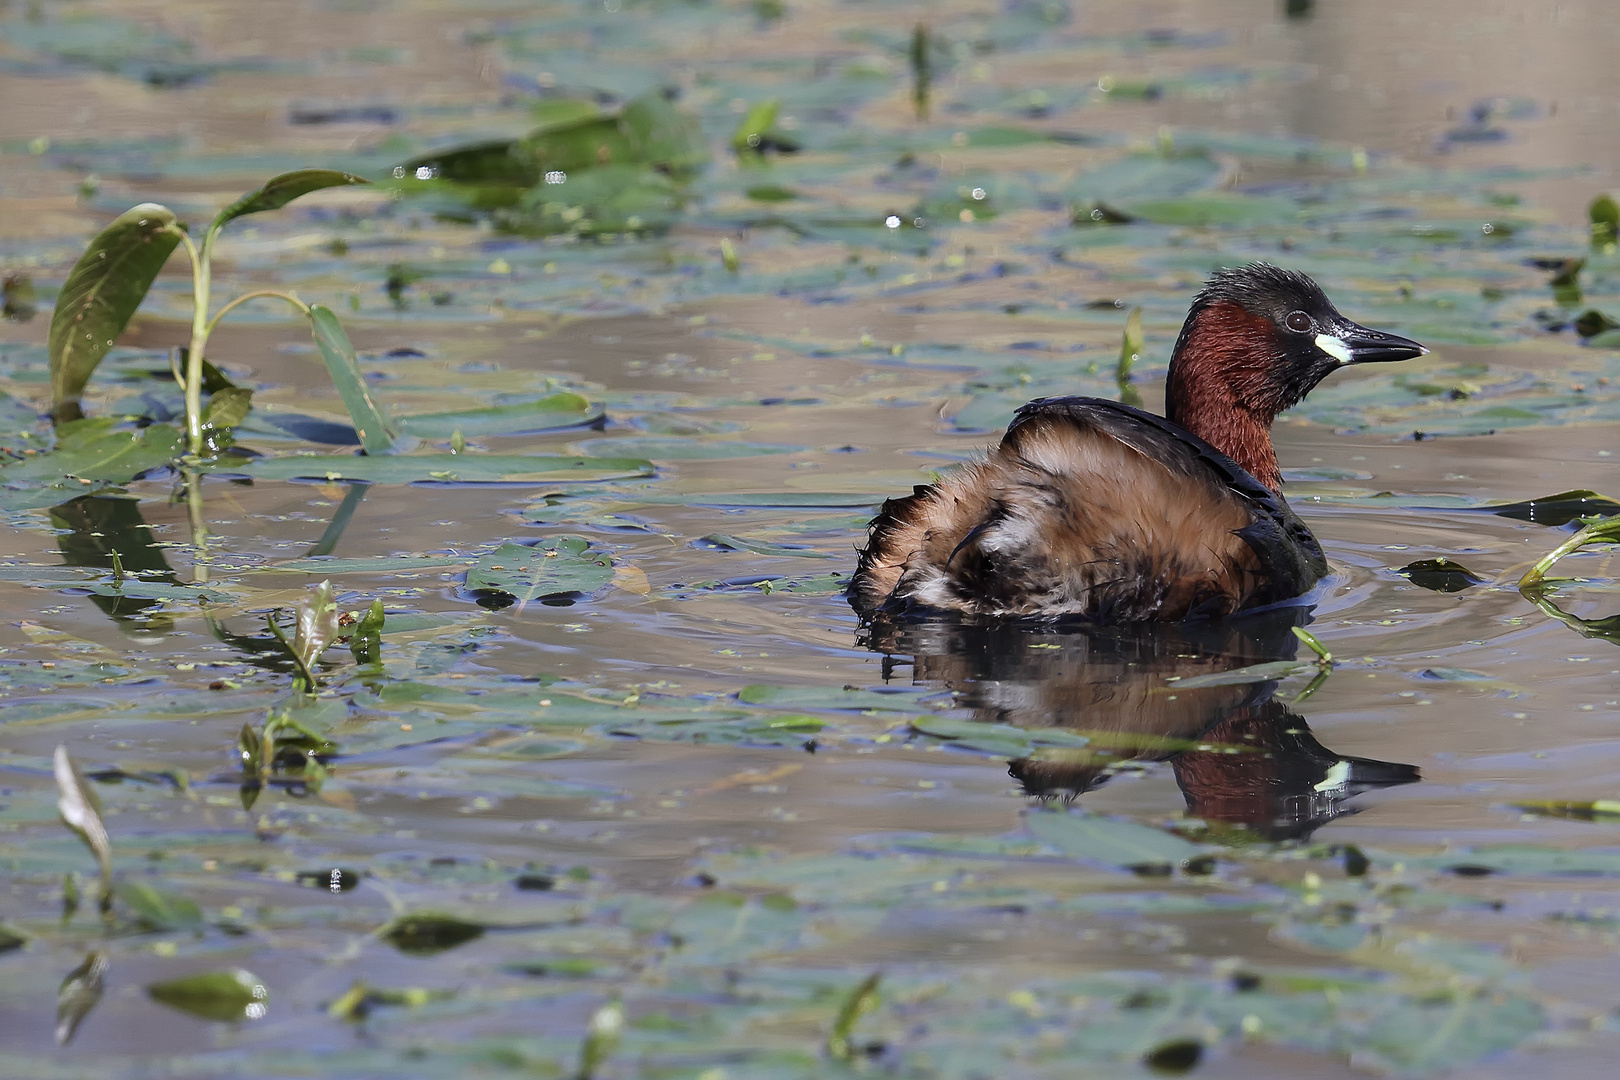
(1495, 703)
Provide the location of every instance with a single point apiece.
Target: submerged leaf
(100, 295)
(215, 995)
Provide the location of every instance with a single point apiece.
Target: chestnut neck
(1220, 386)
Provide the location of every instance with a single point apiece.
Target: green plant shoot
(113, 276)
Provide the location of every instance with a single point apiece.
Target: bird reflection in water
(1242, 758)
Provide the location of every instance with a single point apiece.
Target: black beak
(1352, 343)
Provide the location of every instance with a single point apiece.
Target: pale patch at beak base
(1334, 347)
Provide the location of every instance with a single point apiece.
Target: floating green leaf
(425, 934)
(1200, 211)
(441, 468)
(828, 697)
(675, 449)
(1440, 575)
(761, 547)
(1002, 740)
(556, 566)
(100, 295)
(96, 450)
(365, 564)
(1175, 1057)
(554, 411)
(1113, 841)
(214, 995)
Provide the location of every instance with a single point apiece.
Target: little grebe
(1093, 509)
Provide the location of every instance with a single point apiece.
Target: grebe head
(1256, 340)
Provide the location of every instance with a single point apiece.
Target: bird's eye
(1298, 322)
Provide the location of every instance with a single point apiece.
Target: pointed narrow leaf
(557, 410)
(81, 811)
(102, 291)
(278, 191)
(1114, 841)
(377, 431)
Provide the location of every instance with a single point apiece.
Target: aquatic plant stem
(1608, 529)
(199, 527)
(200, 275)
(303, 308)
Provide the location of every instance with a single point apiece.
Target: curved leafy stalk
(1605, 530)
(200, 279)
(275, 193)
(257, 294)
